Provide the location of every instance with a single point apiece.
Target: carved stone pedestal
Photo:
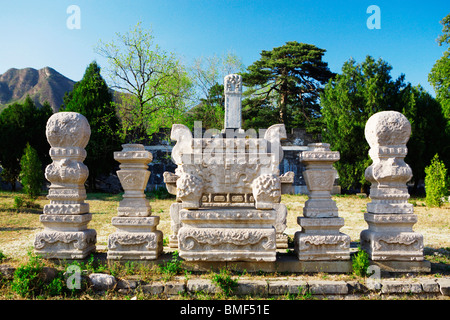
(391, 237)
(65, 219)
(136, 237)
(320, 238)
(227, 234)
(390, 217)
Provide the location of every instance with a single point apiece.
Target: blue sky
(35, 34)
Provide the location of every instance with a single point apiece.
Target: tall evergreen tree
(287, 81)
(348, 101)
(31, 174)
(92, 98)
(439, 77)
(21, 124)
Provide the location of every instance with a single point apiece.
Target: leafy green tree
(348, 101)
(210, 111)
(92, 98)
(439, 77)
(428, 135)
(436, 182)
(21, 124)
(290, 78)
(208, 74)
(31, 174)
(153, 85)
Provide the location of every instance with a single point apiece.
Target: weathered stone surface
(399, 286)
(102, 282)
(429, 285)
(320, 238)
(387, 133)
(136, 237)
(283, 287)
(202, 285)
(233, 92)
(65, 218)
(444, 286)
(228, 189)
(174, 287)
(324, 287)
(251, 287)
(390, 217)
(154, 288)
(7, 271)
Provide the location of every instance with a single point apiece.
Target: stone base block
(320, 208)
(392, 245)
(227, 244)
(135, 245)
(53, 244)
(391, 237)
(403, 266)
(323, 247)
(136, 239)
(65, 223)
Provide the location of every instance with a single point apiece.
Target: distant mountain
(41, 85)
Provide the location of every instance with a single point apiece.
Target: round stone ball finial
(387, 128)
(68, 129)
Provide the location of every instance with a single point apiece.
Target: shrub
(360, 263)
(225, 282)
(2, 256)
(172, 267)
(31, 175)
(436, 182)
(27, 279)
(18, 202)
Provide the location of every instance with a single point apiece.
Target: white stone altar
(136, 237)
(320, 238)
(389, 215)
(228, 189)
(65, 219)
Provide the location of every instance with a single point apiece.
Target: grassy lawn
(18, 227)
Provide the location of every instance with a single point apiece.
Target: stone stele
(136, 237)
(389, 215)
(65, 219)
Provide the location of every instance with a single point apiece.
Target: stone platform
(288, 263)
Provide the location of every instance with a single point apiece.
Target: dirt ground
(18, 227)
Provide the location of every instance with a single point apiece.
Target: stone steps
(297, 288)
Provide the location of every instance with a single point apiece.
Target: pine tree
(31, 174)
(287, 82)
(92, 98)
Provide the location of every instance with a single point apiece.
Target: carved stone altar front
(228, 189)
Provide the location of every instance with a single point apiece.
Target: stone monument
(228, 189)
(389, 215)
(65, 219)
(136, 237)
(320, 238)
